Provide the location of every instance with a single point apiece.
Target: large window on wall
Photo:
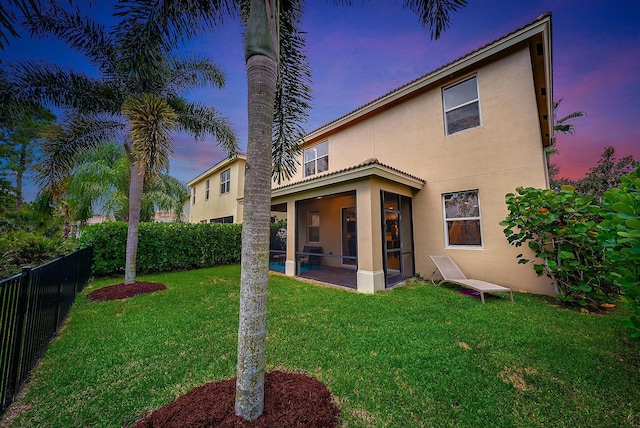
(462, 218)
(313, 228)
(225, 181)
(316, 159)
(461, 106)
(193, 196)
(206, 190)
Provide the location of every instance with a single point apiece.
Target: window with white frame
(193, 196)
(313, 228)
(206, 191)
(316, 159)
(225, 181)
(461, 106)
(462, 218)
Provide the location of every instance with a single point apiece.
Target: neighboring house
(167, 217)
(217, 192)
(424, 170)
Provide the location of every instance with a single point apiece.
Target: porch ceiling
(370, 167)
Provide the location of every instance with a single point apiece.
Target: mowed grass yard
(418, 355)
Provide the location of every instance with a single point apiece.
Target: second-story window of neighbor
(206, 191)
(225, 181)
(193, 202)
(461, 106)
(316, 159)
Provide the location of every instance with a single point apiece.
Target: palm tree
(562, 125)
(265, 44)
(136, 99)
(101, 178)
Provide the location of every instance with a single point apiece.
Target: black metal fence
(33, 304)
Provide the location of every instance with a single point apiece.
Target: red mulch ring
(290, 400)
(123, 291)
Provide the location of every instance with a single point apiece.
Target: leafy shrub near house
(561, 227)
(620, 235)
(163, 246)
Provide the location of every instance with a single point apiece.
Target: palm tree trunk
(135, 198)
(261, 74)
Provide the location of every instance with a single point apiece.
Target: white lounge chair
(450, 272)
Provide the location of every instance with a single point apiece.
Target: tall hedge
(163, 246)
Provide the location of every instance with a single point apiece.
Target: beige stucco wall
(503, 153)
(218, 205)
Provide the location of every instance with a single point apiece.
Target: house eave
(341, 177)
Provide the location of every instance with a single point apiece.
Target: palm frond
(200, 121)
(193, 73)
(562, 124)
(65, 143)
(435, 15)
(66, 88)
(293, 93)
(78, 31)
(149, 29)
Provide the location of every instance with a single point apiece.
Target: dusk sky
(361, 52)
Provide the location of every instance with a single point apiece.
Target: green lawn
(418, 355)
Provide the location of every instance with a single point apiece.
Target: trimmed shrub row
(163, 246)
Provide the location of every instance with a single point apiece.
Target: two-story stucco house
(215, 193)
(423, 170)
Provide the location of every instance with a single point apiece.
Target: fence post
(60, 276)
(19, 333)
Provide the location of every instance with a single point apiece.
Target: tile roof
(368, 162)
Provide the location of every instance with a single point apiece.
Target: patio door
(397, 237)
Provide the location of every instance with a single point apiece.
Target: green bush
(620, 235)
(163, 247)
(21, 248)
(562, 230)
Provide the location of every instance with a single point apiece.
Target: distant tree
(7, 194)
(20, 139)
(606, 174)
(561, 125)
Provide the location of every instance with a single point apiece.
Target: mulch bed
(290, 400)
(124, 291)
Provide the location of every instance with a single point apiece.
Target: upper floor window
(316, 159)
(225, 181)
(206, 191)
(462, 218)
(193, 200)
(461, 106)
